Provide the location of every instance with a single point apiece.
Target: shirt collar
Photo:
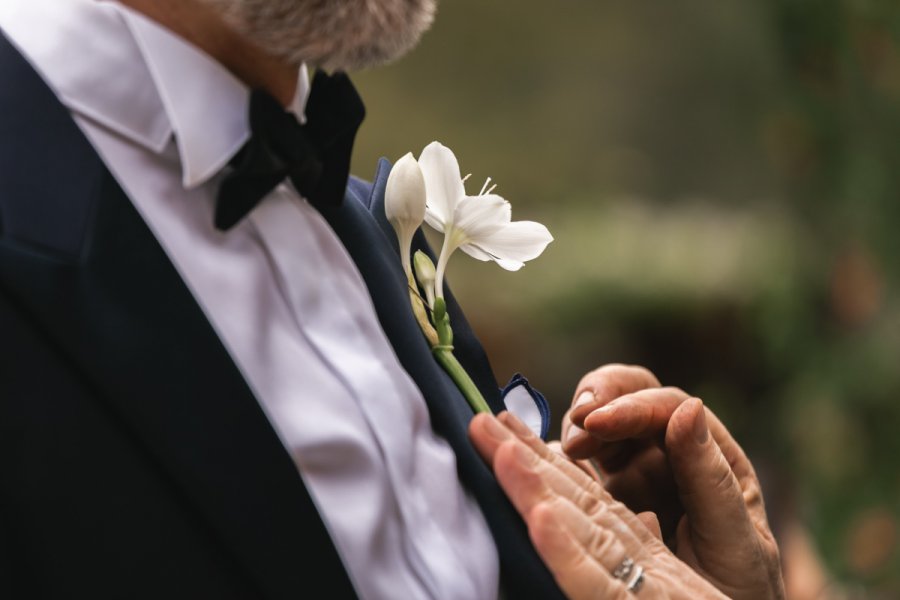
(206, 105)
(139, 79)
(108, 82)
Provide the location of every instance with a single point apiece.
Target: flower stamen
(485, 186)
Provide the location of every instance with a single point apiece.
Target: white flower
(404, 203)
(480, 225)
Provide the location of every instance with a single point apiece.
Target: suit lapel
(82, 267)
(371, 243)
(467, 348)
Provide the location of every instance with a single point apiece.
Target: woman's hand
(660, 450)
(594, 546)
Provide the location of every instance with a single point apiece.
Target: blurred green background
(722, 180)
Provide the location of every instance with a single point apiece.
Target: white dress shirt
(281, 292)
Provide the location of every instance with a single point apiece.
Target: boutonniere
(432, 190)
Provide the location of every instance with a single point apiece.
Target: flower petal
(514, 244)
(404, 195)
(481, 216)
(443, 182)
(476, 252)
(479, 254)
(510, 265)
(433, 220)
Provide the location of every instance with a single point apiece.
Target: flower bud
(404, 204)
(424, 269)
(404, 196)
(425, 274)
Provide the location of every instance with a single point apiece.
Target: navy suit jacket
(135, 462)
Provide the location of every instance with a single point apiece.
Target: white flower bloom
(404, 203)
(480, 225)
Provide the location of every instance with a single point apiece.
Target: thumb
(718, 521)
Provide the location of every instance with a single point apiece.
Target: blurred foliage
(723, 183)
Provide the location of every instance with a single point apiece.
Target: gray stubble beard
(343, 35)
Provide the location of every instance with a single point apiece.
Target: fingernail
(574, 434)
(585, 397)
(495, 429)
(516, 424)
(701, 431)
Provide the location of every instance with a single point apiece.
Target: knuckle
(645, 373)
(589, 502)
(676, 392)
(607, 371)
(601, 542)
(724, 480)
(541, 515)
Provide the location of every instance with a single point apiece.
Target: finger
(634, 486)
(651, 522)
(646, 481)
(613, 427)
(647, 484)
(578, 574)
(596, 389)
(488, 433)
(585, 465)
(613, 457)
(607, 383)
(574, 469)
(583, 551)
(645, 414)
(532, 484)
(560, 473)
(639, 415)
(710, 493)
(566, 480)
(743, 470)
(527, 487)
(600, 530)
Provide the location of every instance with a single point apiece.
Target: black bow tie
(315, 155)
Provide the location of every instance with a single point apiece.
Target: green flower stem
(444, 355)
(443, 352)
(440, 338)
(442, 322)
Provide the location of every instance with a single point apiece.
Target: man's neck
(204, 28)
